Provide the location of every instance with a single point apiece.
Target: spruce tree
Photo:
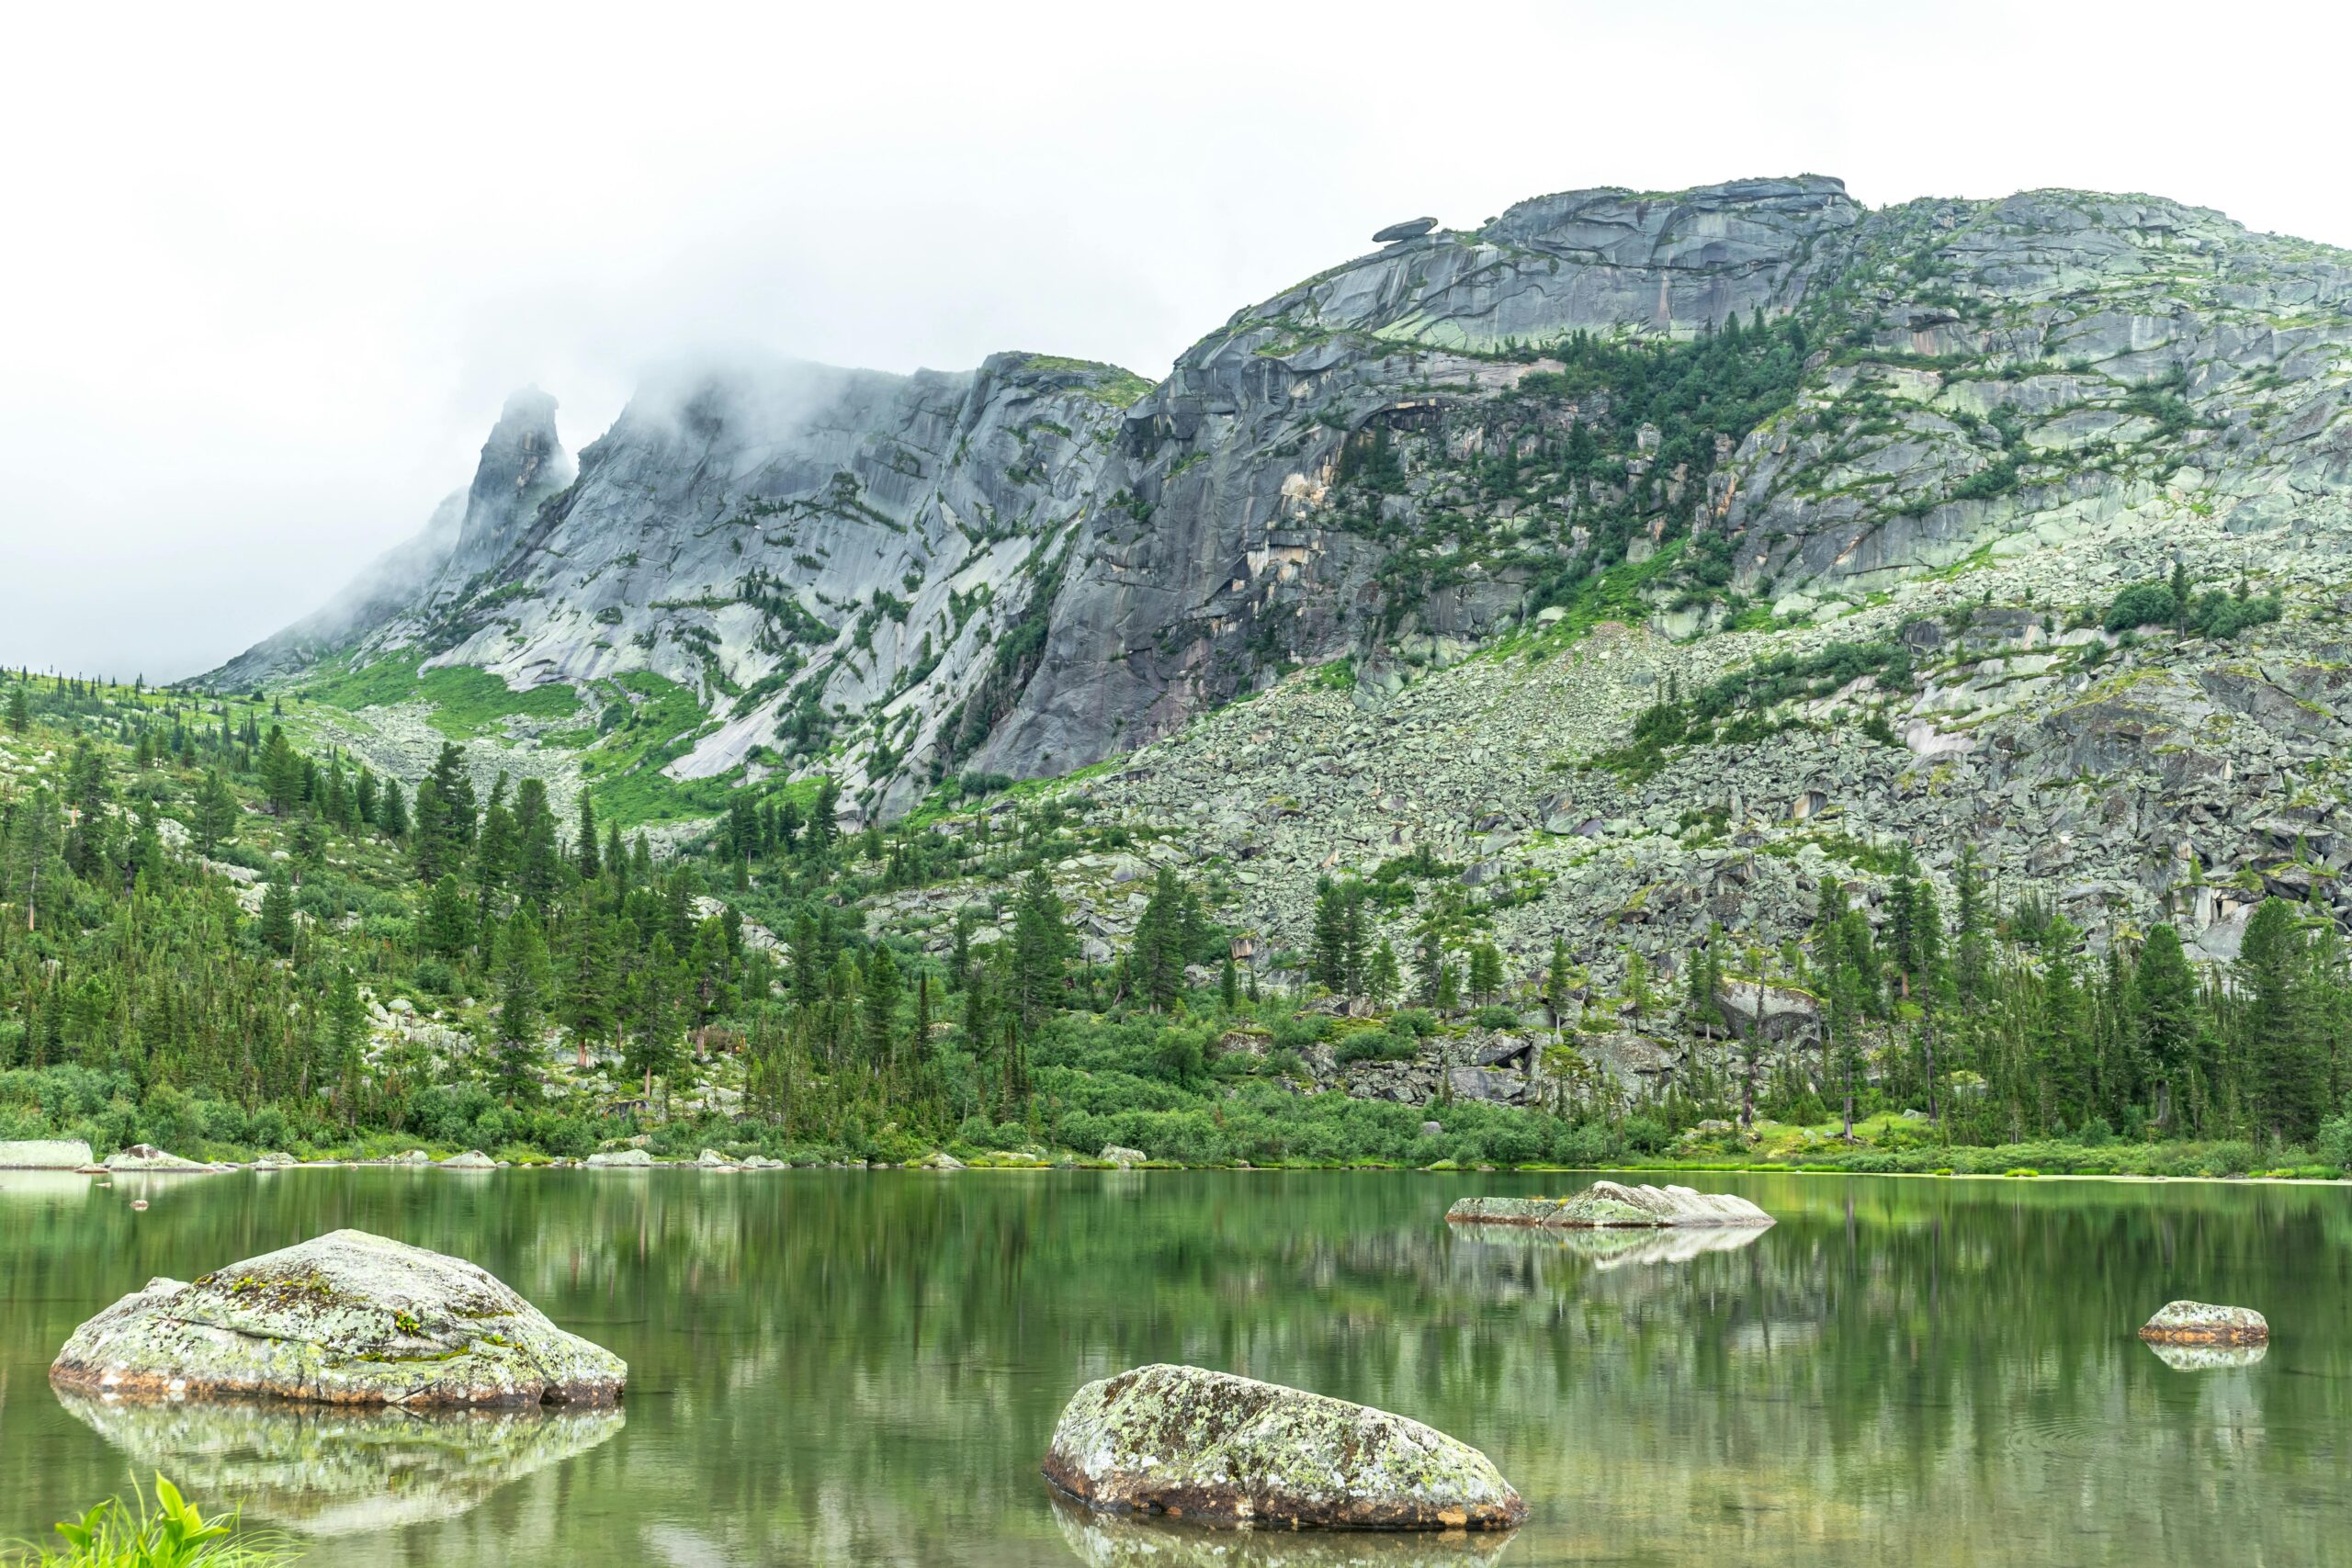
(276, 928)
(584, 841)
(1041, 948)
(522, 1002)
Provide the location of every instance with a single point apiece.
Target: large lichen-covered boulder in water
(349, 1318)
(2200, 1323)
(1613, 1203)
(1218, 1449)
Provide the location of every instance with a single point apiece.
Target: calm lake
(863, 1368)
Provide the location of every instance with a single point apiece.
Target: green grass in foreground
(166, 1533)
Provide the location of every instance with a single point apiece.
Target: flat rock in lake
(472, 1159)
(1218, 1448)
(2200, 1323)
(348, 1318)
(147, 1158)
(1609, 1203)
(45, 1153)
(623, 1159)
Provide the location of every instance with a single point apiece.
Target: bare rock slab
(1611, 1203)
(2201, 1323)
(45, 1153)
(147, 1158)
(1218, 1448)
(348, 1318)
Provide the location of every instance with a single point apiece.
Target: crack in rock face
(1217, 1449)
(347, 1319)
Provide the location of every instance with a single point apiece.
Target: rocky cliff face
(1751, 408)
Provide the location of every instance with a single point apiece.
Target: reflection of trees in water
(866, 1368)
(339, 1470)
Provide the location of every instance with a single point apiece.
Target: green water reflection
(862, 1368)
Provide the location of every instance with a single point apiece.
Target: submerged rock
(1218, 1448)
(2200, 1323)
(1123, 1540)
(348, 1318)
(45, 1153)
(148, 1158)
(1612, 1204)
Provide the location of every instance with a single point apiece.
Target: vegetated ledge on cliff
(1026, 567)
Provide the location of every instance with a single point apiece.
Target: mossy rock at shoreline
(348, 1318)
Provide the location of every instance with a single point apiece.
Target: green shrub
(2142, 605)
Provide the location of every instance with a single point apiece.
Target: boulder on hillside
(45, 1153)
(1611, 1203)
(1411, 229)
(1775, 1012)
(149, 1159)
(1218, 1448)
(2200, 1323)
(347, 1319)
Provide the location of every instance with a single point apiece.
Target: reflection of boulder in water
(1120, 1540)
(1615, 1249)
(2208, 1357)
(342, 1470)
(43, 1186)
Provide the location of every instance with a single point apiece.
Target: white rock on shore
(45, 1153)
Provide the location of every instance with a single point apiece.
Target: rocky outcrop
(1411, 229)
(1210, 547)
(2200, 1323)
(1611, 1203)
(45, 1153)
(1218, 1448)
(348, 1318)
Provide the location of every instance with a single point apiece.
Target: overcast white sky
(270, 271)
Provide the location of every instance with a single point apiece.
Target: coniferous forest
(220, 942)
